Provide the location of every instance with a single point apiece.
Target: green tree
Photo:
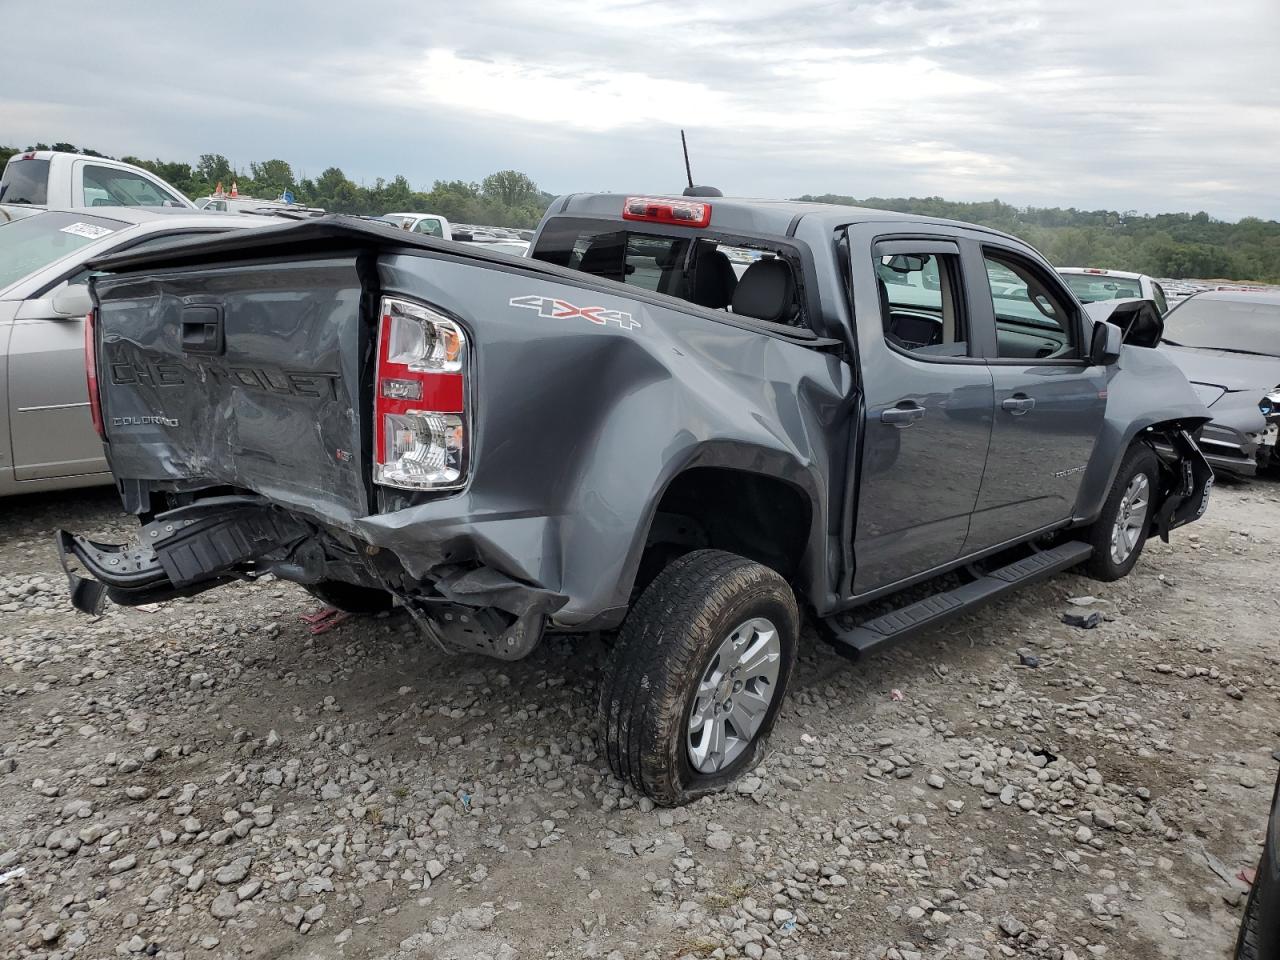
(510, 188)
(271, 178)
(214, 168)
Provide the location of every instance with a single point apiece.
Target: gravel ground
(211, 780)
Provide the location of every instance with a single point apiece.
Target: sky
(1148, 105)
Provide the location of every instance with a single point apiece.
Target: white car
(50, 178)
(1091, 284)
(47, 437)
(427, 224)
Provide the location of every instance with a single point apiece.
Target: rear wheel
(693, 686)
(1120, 532)
(350, 597)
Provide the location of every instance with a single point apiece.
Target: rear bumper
(181, 552)
(194, 548)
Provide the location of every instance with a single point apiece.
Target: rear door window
(921, 304)
(25, 181)
(108, 186)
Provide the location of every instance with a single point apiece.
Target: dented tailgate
(243, 374)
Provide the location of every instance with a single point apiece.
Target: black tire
(1259, 936)
(1102, 566)
(350, 597)
(652, 674)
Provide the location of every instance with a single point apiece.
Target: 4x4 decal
(563, 309)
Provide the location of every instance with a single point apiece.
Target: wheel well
(750, 514)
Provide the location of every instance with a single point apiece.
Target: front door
(1049, 401)
(928, 407)
(49, 419)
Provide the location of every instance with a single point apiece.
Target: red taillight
(28, 156)
(681, 213)
(91, 375)
(420, 415)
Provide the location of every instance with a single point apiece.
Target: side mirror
(1104, 348)
(1139, 320)
(72, 300)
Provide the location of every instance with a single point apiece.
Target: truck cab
(49, 178)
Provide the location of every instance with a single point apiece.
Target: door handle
(1018, 404)
(202, 330)
(903, 415)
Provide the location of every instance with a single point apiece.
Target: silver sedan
(47, 440)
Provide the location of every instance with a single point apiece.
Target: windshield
(25, 181)
(1244, 326)
(1092, 287)
(33, 243)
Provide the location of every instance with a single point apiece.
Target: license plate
(1272, 436)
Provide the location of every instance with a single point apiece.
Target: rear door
(1049, 401)
(928, 404)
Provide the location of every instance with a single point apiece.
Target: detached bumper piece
(180, 553)
(1191, 482)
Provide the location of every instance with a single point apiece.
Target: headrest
(766, 291)
(713, 278)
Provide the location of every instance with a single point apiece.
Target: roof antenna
(687, 171)
(691, 190)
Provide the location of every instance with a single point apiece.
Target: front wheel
(1120, 532)
(693, 686)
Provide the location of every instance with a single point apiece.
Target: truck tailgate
(241, 374)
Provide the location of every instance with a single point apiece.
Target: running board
(931, 611)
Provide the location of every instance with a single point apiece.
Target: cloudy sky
(1152, 105)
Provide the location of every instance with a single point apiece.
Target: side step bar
(931, 611)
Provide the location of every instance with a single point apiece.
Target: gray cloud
(1143, 105)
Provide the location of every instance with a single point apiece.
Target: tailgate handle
(202, 329)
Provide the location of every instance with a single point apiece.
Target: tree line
(507, 198)
(1163, 245)
(1190, 245)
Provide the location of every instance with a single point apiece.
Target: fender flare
(772, 463)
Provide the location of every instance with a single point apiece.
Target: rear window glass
(34, 243)
(25, 181)
(700, 269)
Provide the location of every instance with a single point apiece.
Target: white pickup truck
(49, 178)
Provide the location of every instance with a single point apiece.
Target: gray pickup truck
(694, 419)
